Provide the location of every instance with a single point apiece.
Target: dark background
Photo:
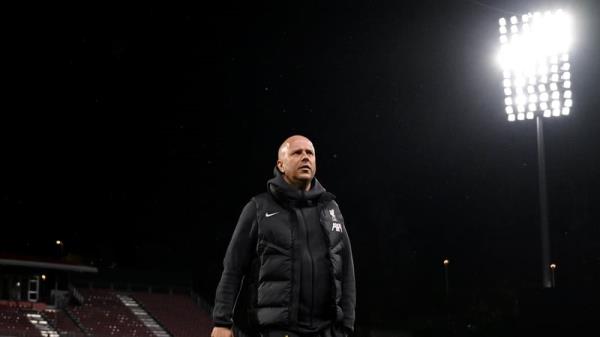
(137, 133)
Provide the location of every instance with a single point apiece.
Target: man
(291, 251)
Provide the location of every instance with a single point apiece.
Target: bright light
(530, 115)
(519, 91)
(533, 98)
(43, 277)
(510, 110)
(446, 262)
(534, 58)
(553, 266)
(532, 80)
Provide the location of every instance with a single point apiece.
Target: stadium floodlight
(536, 80)
(534, 48)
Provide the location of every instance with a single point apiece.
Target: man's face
(297, 161)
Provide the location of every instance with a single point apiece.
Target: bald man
(291, 252)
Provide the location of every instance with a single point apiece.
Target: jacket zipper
(312, 270)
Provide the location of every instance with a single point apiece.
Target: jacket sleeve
(348, 301)
(235, 265)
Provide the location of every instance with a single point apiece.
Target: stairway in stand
(42, 325)
(143, 316)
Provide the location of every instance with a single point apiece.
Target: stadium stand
(41, 323)
(107, 313)
(177, 313)
(14, 322)
(63, 323)
(103, 314)
(39, 297)
(147, 319)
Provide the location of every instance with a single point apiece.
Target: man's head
(297, 161)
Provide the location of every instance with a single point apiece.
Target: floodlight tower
(534, 56)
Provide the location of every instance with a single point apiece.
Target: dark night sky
(139, 133)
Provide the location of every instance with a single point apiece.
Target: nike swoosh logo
(268, 215)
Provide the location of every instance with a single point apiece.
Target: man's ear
(280, 166)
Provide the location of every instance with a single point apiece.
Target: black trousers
(330, 331)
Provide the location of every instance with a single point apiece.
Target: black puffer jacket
(292, 250)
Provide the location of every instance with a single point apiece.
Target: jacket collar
(288, 194)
